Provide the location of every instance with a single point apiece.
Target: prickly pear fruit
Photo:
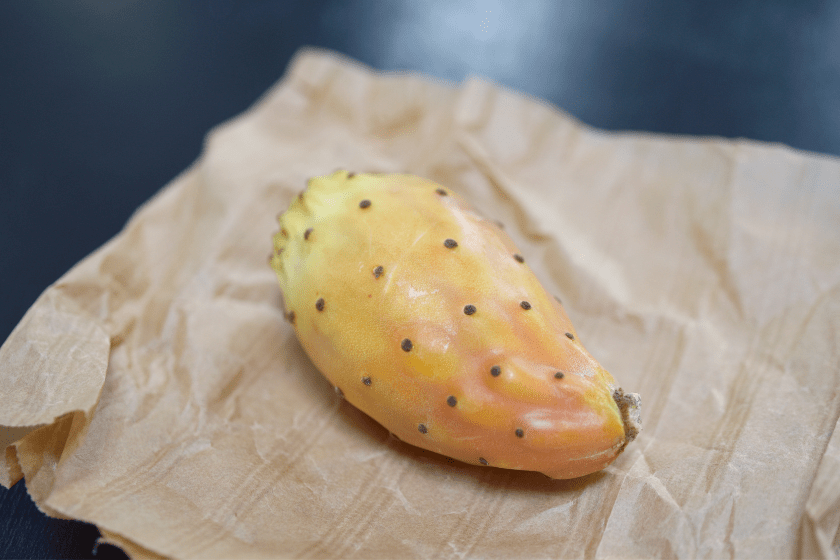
(425, 316)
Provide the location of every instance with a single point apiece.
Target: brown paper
(156, 391)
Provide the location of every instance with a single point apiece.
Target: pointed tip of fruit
(630, 406)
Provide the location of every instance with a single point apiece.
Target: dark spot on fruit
(284, 232)
(519, 258)
(422, 428)
(291, 317)
(364, 204)
(319, 305)
(450, 243)
(351, 174)
(300, 194)
(495, 371)
(559, 375)
(451, 401)
(570, 336)
(366, 380)
(520, 433)
(483, 461)
(441, 192)
(524, 305)
(469, 309)
(306, 233)
(407, 345)
(377, 272)
(339, 392)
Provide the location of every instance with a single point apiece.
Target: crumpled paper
(156, 391)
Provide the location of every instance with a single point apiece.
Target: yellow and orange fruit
(425, 316)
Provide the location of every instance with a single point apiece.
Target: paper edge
(129, 547)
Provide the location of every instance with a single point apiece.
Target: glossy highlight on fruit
(425, 316)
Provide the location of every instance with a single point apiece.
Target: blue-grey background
(103, 102)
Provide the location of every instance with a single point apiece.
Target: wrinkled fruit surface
(425, 316)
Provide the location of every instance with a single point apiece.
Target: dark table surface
(103, 102)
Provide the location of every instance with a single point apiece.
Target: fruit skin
(424, 315)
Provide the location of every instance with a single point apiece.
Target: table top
(103, 103)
